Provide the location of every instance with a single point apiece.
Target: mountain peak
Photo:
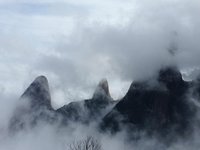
(103, 84)
(41, 79)
(169, 74)
(152, 107)
(171, 77)
(102, 89)
(38, 93)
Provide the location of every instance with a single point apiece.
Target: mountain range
(164, 105)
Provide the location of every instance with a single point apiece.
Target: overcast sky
(76, 43)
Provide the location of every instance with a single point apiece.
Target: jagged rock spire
(154, 108)
(102, 89)
(38, 93)
(170, 74)
(37, 106)
(171, 77)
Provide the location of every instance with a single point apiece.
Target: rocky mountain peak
(169, 75)
(102, 89)
(38, 93)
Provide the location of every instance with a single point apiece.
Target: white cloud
(75, 48)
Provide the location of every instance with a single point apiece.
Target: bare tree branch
(87, 144)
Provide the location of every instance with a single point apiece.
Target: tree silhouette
(87, 144)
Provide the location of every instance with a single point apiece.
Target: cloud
(77, 43)
(76, 47)
(45, 8)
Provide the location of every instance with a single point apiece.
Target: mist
(77, 43)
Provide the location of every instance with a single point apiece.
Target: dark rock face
(196, 89)
(89, 110)
(38, 94)
(102, 91)
(36, 107)
(84, 111)
(172, 79)
(158, 108)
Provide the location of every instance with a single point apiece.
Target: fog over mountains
(163, 108)
(126, 72)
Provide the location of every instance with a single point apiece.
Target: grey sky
(76, 43)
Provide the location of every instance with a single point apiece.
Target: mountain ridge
(161, 108)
